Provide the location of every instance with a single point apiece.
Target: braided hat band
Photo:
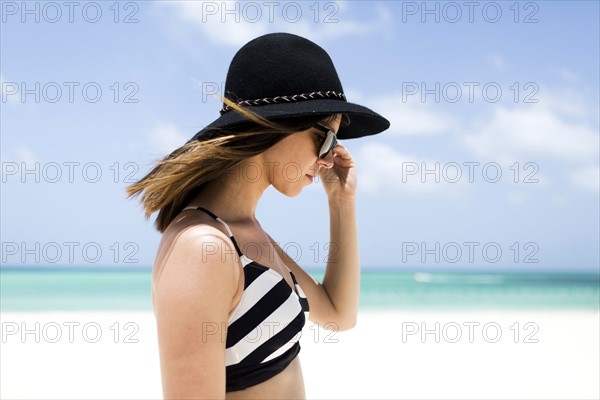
(288, 99)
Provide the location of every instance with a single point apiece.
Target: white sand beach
(93, 355)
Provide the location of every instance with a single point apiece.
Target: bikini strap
(300, 293)
(237, 248)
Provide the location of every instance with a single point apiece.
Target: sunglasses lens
(328, 145)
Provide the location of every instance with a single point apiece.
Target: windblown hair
(179, 177)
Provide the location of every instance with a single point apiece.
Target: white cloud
(587, 178)
(529, 133)
(517, 198)
(410, 116)
(322, 31)
(568, 104)
(235, 23)
(26, 155)
(561, 127)
(498, 61)
(560, 200)
(384, 170)
(166, 138)
(558, 131)
(565, 74)
(21, 154)
(211, 18)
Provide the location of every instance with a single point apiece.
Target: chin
(294, 193)
(290, 190)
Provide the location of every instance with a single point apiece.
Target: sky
(491, 162)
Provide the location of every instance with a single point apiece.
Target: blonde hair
(181, 175)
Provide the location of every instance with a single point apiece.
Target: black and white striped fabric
(264, 329)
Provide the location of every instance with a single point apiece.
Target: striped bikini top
(264, 329)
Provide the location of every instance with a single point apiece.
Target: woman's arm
(334, 303)
(342, 275)
(192, 304)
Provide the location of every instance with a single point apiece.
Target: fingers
(341, 151)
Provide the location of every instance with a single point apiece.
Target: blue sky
(541, 213)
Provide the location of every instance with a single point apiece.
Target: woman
(229, 325)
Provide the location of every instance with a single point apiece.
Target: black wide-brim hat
(281, 75)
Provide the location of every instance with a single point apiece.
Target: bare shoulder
(192, 297)
(197, 249)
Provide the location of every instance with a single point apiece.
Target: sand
(93, 355)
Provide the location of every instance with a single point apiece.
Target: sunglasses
(329, 142)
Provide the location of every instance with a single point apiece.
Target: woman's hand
(339, 181)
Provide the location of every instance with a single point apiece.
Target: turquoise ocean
(26, 289)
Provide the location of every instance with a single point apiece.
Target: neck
(233, 196)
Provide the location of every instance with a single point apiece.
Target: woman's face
(292, 160)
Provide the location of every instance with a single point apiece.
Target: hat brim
(363, 121)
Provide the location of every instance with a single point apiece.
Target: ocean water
(77, 289)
